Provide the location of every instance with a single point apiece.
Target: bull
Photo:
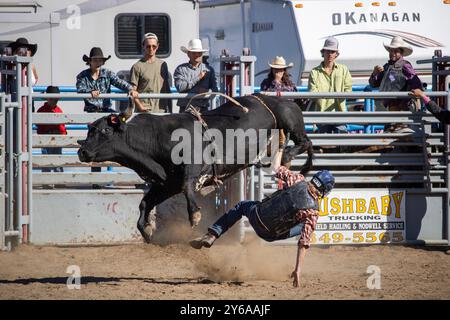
(145, 145)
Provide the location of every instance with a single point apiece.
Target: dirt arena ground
(226, 271)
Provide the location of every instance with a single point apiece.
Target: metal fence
(16, 101)
(3, 193)
(416, 161)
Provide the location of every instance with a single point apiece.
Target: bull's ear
(114, 119)
(117, 121)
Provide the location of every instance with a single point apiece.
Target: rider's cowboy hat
(96, 52)
(280, 63)
(23, 43)
(194, 45)
(398, 42)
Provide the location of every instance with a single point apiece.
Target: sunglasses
(152, 46)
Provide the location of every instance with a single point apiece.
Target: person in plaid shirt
(97, 79)
(287, 213)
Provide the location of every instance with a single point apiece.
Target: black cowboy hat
(23, 43)
(96, 52)
(52, 89)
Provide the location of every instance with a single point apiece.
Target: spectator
(330, 76)
(278, 78)
(30, 52)
(151, 75)
(18, 48)
(396, 75)
(96, 80)
(51, 107)
(194, 76)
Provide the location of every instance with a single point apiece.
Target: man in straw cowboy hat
(396, 75)
(151, 75)
(330, 76)
(194, 76)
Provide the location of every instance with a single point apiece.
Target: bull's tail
(309, 161)
(301, 145)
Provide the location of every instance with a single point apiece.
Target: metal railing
(70, 159)
(415, 160)
(3, 194)
(16, 106)
(425, 171)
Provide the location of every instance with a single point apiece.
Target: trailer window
(130, 29)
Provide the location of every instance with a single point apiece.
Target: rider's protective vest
(394, 79)
(277, 213)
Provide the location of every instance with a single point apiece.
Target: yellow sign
(373, 216)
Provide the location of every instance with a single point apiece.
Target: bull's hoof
(147, 239)
(148, 232)
(195, 218)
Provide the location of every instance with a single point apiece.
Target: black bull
(145, 145)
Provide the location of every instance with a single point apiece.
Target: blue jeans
(248, 209)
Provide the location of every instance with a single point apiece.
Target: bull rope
(258, 158)
(197, 114)
(219, 94)
(268, 109)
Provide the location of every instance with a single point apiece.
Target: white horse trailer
(297, 30)
(66, 29)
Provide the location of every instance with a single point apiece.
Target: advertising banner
(361, 217)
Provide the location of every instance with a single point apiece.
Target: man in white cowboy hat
(151, 75)
(194, 76)
(396, 75)
(330, 76)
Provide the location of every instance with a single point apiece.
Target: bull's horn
(129, 111)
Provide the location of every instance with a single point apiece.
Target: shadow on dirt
(98, 280)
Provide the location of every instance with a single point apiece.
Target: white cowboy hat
(194, 45)
(280, 63)
(398, 42)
